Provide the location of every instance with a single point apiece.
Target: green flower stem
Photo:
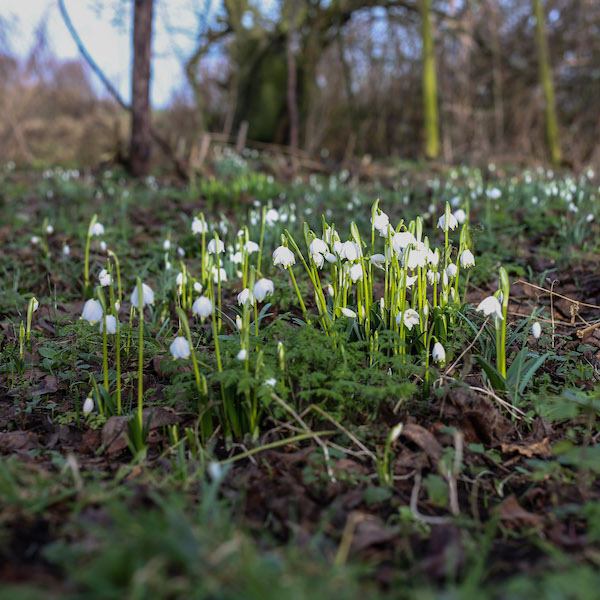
(115, 313)
(501, 341)
(140, 354)
(186, 326)
(262, 237)
(86, 265)
(118, 268)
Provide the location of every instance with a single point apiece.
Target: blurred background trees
(458, 80)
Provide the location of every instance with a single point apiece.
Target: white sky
(110, 44)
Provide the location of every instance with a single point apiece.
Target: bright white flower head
(416, 258)
(490, 306)
(238, 322)
(356, 272)
(199, 226)
(181, 251)
(215, 246)
(331, 258)
(111, 325)
(349, 251)
(348, 313)
(245, 296)
(318, 246)
(494, 193)
(92, 311)
(49, 229)
(202, 306)
(252, 247)
(237, 258)
(271, 381)
(467, 259)
(219, 273)
(197, 287)
(318, 259)
(262, 288)
(147, 296)
(34, 304)
(380, 222)
(452, 222)
(378, 260)
(242, 354)
(432, 277)
(438, 354)
(271, 217)
(451, 270)
(331, 235)
(330, 290)
(35, 240)
(97, 229)
(180, 348)
(167, 245)
(88, 406)
(401, 240)
(409, 317)
(283, 256)
(179, 278)
(105, 278)
(536, 330)
(66, 250)
(460, 215)
(103, 246)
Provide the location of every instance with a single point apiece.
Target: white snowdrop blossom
(378, 260)
(237, 258)
(536, 330)
(35, 240)
(238, 322)
(97, 229)
(245, 296)
(416, 258)
(318, 259)
(490, 306)
(451, 270)
(433, 257)
(330, 290)
(409, 317)
(199, 226)
(252, 247)
(105, 278)
(180, 348)
(167, 245)
(197, 287)
(348, 313)
(438, 353)
(181, 251)
(271, 217)
(318, 246)
(66, 250)
(49, 229)
(467, 259)
(103, 246)
(179, 278)
(452, 222)
(494, 193)
(402, 240)
(215, 246)
(219, 273)
(356, 272)
(242, 354)
(460, 215)
(271, 381)
(432, 277)
(111, 325)
(262, 288)
(202, 306)
(88, 406)
(331, 235)
(92, 311)
(331, 258)
(147, 296)
(381, 222)
(349, 251)
(283, 256)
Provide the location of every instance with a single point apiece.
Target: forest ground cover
(317, 444)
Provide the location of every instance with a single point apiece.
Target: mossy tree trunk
(552, 134)
(430, 107)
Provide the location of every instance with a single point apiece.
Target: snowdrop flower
(416, 258)
(331, 258)
(589, 218)
(433, 257)
(262, 288)
(111, 324)
(402, 240)
(318, 246)
(88, 406)
(220, 273)
(167, 245)
(467, 259)
(242, 354)
(318, 259)
(245, 296)
(356, 272)
(348, 313)
(380, 222)
(199, 226)
(66, 250)
(283, 256)
(349, 250)
(271, 217)
(97, 229)
(432, 277)
(494, 193)
(214, 470)
(409, 317)
(452, 222)
(238, 322)
(92, 311)
(451, 270)
(460, 215)
(49, 229)
(179, 278)
(330, 290)
(105, 278)
(34, 304)
(35, 240)
(490, 306)
(197, 287)
(378, 260)
(271, 381)
(438, 354)
(215, 246)
(147, 296)
(103, 246)
(252, 247)
(180, 348)
(536, 330)
(202, 307)
(181, 251)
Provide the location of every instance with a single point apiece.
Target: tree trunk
(139, 153)
(430, 108)
(547, 85)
